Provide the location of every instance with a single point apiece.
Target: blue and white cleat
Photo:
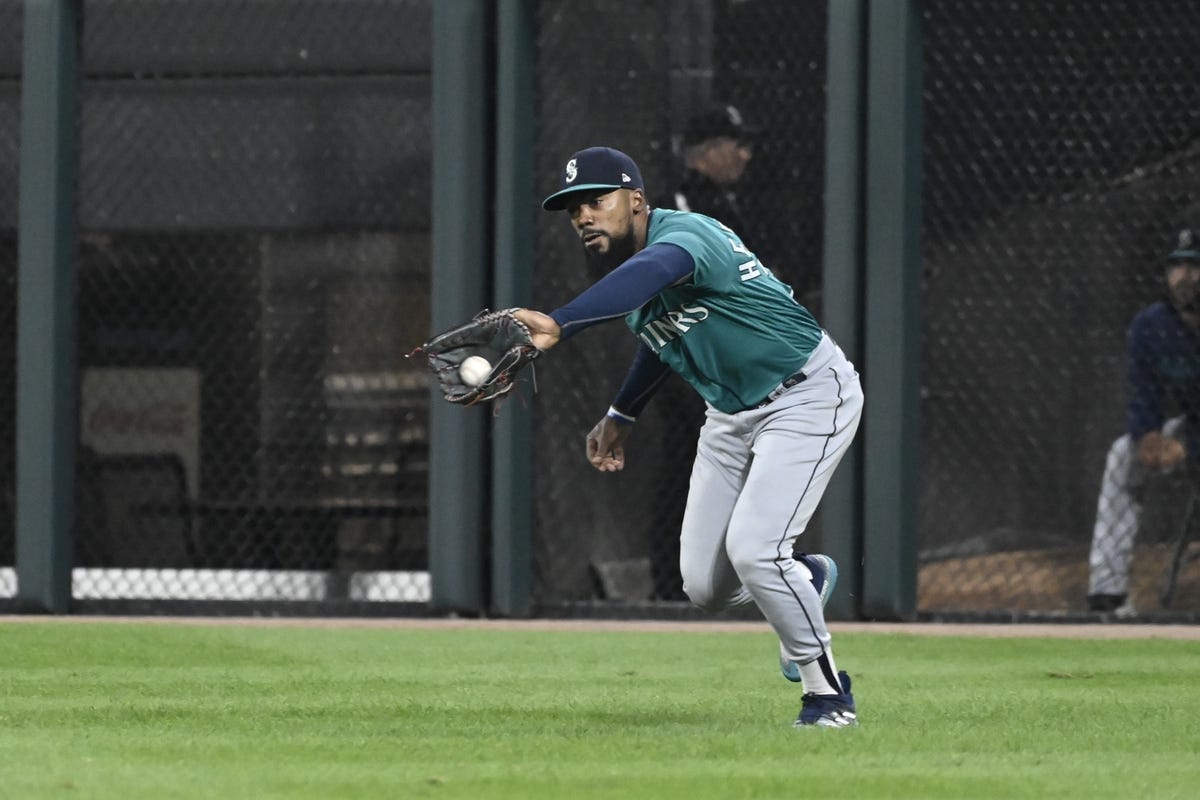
(829, 710)
(824, 574)
(824, 577)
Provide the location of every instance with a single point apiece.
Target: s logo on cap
(572, 171)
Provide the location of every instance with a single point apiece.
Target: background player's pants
(756, 482)
(1118, 514)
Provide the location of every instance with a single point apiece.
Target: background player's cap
(715, 122)
(594, 168)
(1187, 246)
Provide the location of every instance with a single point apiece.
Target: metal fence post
(46, 306)
(512, 431)
(892, 344)
(842, 279)
(462, 176)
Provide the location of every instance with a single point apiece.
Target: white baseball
(474, 369)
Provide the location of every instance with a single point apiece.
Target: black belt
(788, 382)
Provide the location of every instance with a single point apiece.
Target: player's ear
(638, 201)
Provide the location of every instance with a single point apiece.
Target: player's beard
(620, 249)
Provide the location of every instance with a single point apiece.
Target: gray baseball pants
(756, 482)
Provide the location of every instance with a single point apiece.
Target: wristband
(617, 415)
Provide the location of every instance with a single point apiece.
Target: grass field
(133, 710)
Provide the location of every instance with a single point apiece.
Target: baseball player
(1162, 363)
(783, 403)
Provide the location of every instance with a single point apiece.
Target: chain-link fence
(254, 256)
(253, 261)
(1061, 153)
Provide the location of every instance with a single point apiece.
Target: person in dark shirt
(717, 147)
(1163, 373)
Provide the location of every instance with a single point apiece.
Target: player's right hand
(542, 328)
(605, 444)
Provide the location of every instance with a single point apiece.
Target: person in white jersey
(783, 404)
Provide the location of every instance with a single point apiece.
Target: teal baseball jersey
(735, 331)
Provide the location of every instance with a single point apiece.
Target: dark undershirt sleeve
(626, 288)
(646, 374)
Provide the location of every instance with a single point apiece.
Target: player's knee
(701, 593)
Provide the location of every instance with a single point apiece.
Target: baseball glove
(495, 335)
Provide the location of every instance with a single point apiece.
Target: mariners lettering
(670, 326)
(661, 331)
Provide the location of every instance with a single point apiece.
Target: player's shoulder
(666, 221)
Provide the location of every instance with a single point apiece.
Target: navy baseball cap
(1187, 246)
(594, 168)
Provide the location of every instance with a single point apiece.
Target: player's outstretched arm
(542, 328)
(606, 444)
